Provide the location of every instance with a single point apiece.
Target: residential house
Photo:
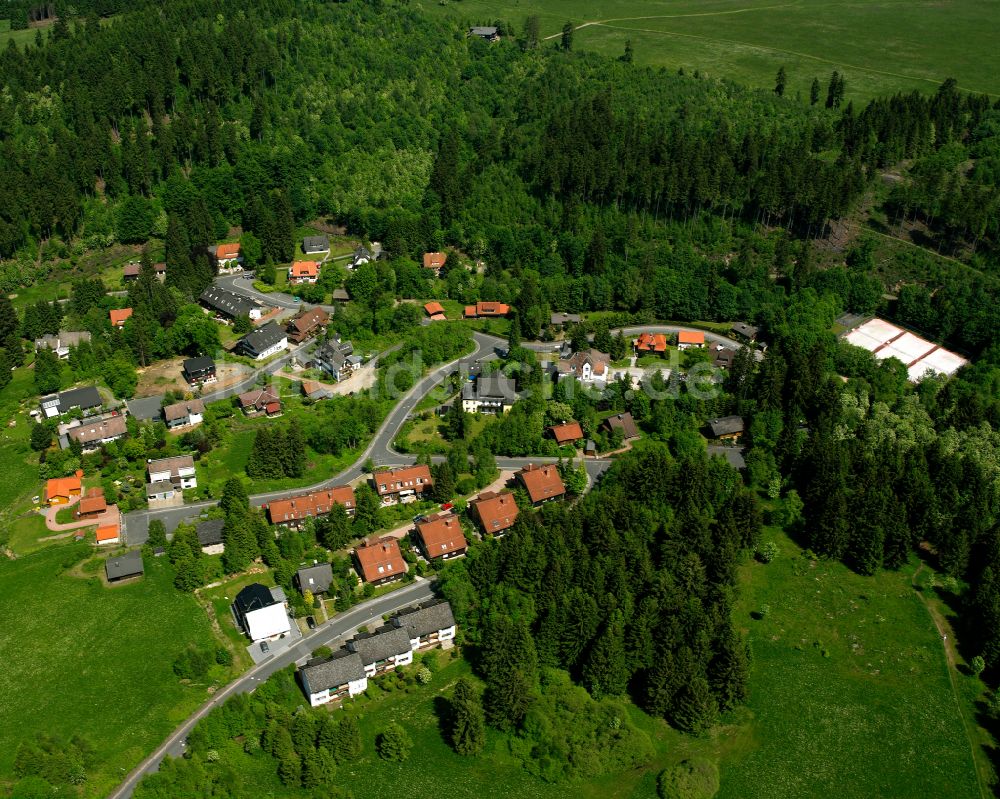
(435, 311)
(92, 504)
(382, 650)
(314, 391)
(307, 323)
(542, 483)
(588, 366)
(260, 400)
(622, 422)
(227, 257)
(489, 33)
(724, 357)
(563, 319)
(260, 614)
(184, 414)
(316, 578)
(334, 358)
(430, 624)
(496, 513)
(334, 678)
(131, 272)
(200, 370)
(655, 343)
(228, 304)
(124, 566)
(86, 399)
(725, 428)
(434, 260)
(311, 245)
(441, 536)
(486, 310)
(118, 317)
(107, 535)
(340, 295)
(61, 342)
(263, 342)
(318, 503)
(567, 433)
(209, 534)
(380, 561)
(178, 471)
(364, 255)
(690, 338)
(302, 272)
(492, 393)
(744, 331)
(93, 434)
(62, 490)
(402, 485)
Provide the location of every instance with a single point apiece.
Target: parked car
(311, 622)
(264, 647)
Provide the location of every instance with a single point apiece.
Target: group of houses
(91, 506)
(346, 672)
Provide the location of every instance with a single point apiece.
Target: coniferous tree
(814, 91)
(468, 723)
(347, 746)
(695, 709)
(780, 82)
(566, 42)
(606, 671)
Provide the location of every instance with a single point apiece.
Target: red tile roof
(225, 251)
(380, 559)
(108, 532)
(496, 512)
(304, 269)
(272, 407)
(314, 504)
(442, 535)
(651, 342)
(487, 309)
(433, 308)
(541, 482)
(118, 317)
(434, 260)
(63, 487)
(416, 478)
(690, 337)
(93, 502)
(567, 432)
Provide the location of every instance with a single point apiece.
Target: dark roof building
(726, 427)
(317, 578)
(623, 422)
(332, 674)
(490, 393)
(425, 620)
(197, 370)
(559, 319)
(263, 342)
(311, 244)
(84, 398)
(743, 330)
(226, 302)
(384, 643)
(210, 532)
(124, 566)
(488, 32)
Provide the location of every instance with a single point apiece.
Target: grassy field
(881, 46)
(82, 658)
(850, 693)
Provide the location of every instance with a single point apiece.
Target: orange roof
(314, 504)
(567, 432)
(63, 487)
(118, 317)
(380, 559)
(228, 250)
(541, 482)
(304, 269)
(272, 407)
(109, 532)
(487, 309)
(433, 308)
(497, 512)
(439, 317)
(442, 535)
(470, 311)
(415, 478)
(690, 337)
(651, 342)
(434, 260)
(93, 502)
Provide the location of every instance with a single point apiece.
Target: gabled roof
(434, 260)
(724, 357)
(425, 619)
(316, 578)
(651, 342)
(392, 481)
(226, 302)
(313, 504)
(210, 532)
(567, 432)
(85, 397)
(312, 388)
(262, 338)
(623, 422)
(304, 269)
(64, 338)
(563, 318)
(494, 386)
(258, 398)
(725, 425)
(107, 532)
(497, 512)
(111, 427)
(198, 364)
(384, 643)
(744, 329)
(131, 270)
(64, 486)
(93, 502)
(541, 482)
(433, 308)
(127, 565)
(442, 534)
(315, 243)
(181, 410)
(380, 559)
(599, 363)
(308, 320)
(484, 31)
(690, 337)
(254, 597)
(118, 317)
(330, 353)
(338, 670)
(224, 251)
(172, 465)
(488, 309)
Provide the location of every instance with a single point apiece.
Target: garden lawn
(849, 694)
(84, 659)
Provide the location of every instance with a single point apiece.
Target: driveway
(275, 648)
(110, 516)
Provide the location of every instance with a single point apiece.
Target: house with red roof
(318, 503)
(402, 485)
(690, 338)
(651, 342)
(379, 562)
(435, 311)
(440, 536)
(303, 272)
(542, 483)
(487, 310)
(434, 260)
(118, 317)
(227, 257)
(567, 433)
(495, 513)
(62, 490)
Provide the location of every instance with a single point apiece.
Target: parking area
(275, 647)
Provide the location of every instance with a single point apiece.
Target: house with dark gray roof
(623, 422)
(316, 578)
(260, 613)
(489, 33)
(744, 331)
(209, 534)
(123, 567)
(383, 650)
(263, 342)
(335, 678)
(431, 624)
(60, 344)
(199, 370)
(314, 244)
(492, 393)
(726, 427)
(228, 303)
(335, 358)
(86, 399)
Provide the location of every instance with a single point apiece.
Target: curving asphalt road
(326, 634)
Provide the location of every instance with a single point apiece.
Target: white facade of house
(354, 687)
(268, 622)
(273, 349)
(447, 634)
(184, 421)
(403, 659)
(185, 474)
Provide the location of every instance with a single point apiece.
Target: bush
(393, 744)
(767, 552)
(690, 779)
